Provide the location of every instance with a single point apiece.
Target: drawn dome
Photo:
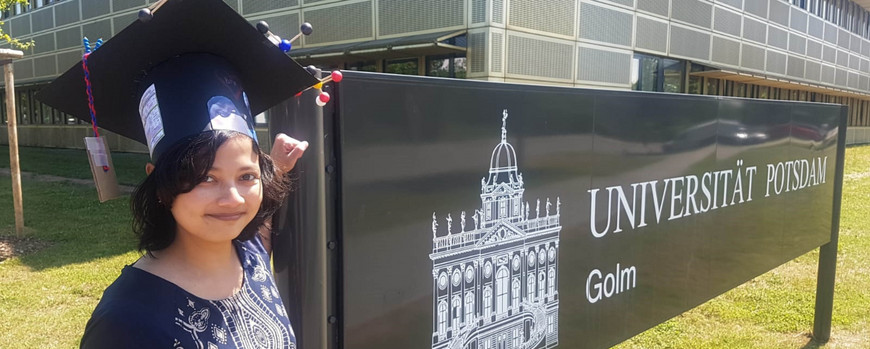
(503, 157)
(503, 164)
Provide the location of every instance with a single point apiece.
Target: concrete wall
(857, 135)
(73, 137)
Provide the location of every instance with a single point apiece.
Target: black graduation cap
(197, 65)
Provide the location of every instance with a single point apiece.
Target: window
(447, 66)
(469, 307)
(763, 92)
(408, 66)
(502, 208)
(644, 73)
(541, 283)
(487, 302)
(442, 317)
(673, 75)
(530, 288)
(739, 90)
(3, 107)
(711, 86)
(551, 282)
(651, 73)
(362, 66)
(501, 290)
(23, 107)
(457, 311)
(551, 324)
(696, 83)
(515, 293)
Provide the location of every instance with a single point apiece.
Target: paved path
(126, 189)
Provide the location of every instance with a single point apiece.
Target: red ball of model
(336, 76)
(322, 99)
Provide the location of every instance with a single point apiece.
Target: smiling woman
(202, 213)
(209, 178)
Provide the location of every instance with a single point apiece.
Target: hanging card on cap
(102, 169)
(193, 66)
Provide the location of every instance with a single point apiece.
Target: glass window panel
(3, 108)
(362, 66)
(739, 89)
(696, 84)
(22, 108)
(673, 75)
(645, 71)
(763, 92)
(460, 69)
(46, 114)
(446, 66)
(711, 86)
(70, 120)
(407, 66)
(438, 66)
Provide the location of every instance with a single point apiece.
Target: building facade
(809, 50)
(495, 284)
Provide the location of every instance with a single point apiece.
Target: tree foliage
(7, 5)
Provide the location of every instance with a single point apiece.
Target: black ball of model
(306, 28)
(145, 15)
(263, 27)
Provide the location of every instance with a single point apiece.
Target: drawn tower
(495, 285)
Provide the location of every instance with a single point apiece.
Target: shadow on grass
(72, 220)
(812, 343)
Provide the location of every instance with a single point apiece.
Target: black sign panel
(489, 215)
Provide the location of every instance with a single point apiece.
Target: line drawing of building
(495, 286)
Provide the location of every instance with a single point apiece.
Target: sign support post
(828, 252)
(7, 56)
(301, 248)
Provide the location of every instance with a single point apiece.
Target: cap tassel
(88, 51)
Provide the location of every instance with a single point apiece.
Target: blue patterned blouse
(141, 310)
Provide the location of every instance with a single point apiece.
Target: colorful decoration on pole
(284, 44)
(287, 45)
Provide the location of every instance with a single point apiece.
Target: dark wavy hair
(178, 170)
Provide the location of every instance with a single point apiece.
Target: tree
(7, 5)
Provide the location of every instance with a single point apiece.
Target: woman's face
(217, 209)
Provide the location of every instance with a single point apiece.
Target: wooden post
(7, 56)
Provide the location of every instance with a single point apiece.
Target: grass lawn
(47, 296)
(73, 163)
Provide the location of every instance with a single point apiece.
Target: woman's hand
(285, 152)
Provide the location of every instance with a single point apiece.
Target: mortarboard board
(197, 65)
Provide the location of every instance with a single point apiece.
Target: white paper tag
(152, 123)
(99, 156)
(97, 151)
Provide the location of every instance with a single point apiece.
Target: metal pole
(828, 252)
(12, 128)
(300, 246)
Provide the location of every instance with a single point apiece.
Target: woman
(180, 82)
(199, 215)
